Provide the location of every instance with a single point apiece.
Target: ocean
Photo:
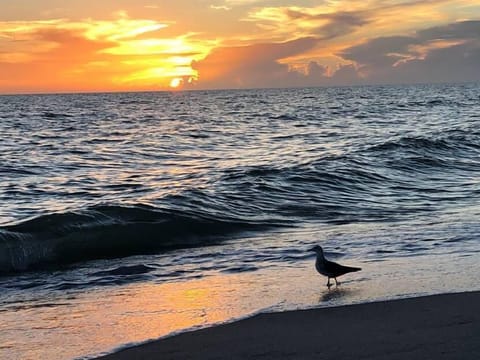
(127, 217)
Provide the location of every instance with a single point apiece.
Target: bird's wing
(339, 269)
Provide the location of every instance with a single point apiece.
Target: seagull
(329, 268)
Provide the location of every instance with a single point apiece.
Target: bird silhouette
(330, 269)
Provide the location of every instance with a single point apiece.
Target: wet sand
(432, 327)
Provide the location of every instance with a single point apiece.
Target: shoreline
(436, 326)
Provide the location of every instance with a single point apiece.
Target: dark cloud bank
(449, 53)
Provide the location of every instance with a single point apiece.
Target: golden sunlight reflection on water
(104, 318)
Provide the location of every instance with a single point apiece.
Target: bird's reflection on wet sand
(334, 294)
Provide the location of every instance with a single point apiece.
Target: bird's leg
(328, 283)
(336, 282)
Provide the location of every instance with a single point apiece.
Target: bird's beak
(312, 249)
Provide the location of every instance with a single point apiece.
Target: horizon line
(173, 91)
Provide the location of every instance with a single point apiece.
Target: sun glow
(122, 53)
(175, 83)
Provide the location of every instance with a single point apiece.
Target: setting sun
(175, 83)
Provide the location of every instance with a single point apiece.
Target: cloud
(379, 52)
(62, 55)
(438, 54)
(56, 66)
(319, 21)
(334, 19)
(328, 25)
(458, 30)
(220, 7)
(341, 24)
(447, 53)
(250, 66)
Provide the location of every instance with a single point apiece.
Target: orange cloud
(56, 67)
(90, 55)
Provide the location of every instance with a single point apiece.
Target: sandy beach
(432, 327)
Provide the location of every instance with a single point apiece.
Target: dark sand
(433, 327)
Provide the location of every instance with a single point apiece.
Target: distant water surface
(102, 192)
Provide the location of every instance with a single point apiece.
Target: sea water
(130, 216)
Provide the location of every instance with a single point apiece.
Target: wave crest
(108, 232)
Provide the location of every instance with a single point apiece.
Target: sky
(137, 45)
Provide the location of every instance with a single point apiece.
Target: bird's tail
(353, 269)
